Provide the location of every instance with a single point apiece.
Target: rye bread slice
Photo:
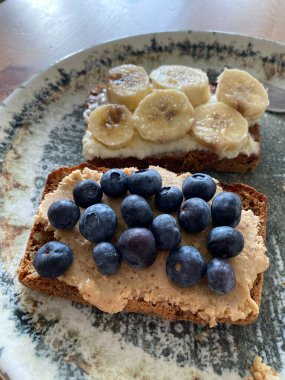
(194, 161)
(251, 199)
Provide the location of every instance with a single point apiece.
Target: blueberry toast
(131, 243)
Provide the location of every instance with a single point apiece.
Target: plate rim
(32, 79)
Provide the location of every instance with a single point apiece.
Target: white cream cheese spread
(141, 148)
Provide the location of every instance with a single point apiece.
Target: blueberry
(53, 259)
(145, 182)
(114, 183)
(165, 231)
(168, 199)
(136, 211)
(221, 276)
(194, 215)
(185, 266)
(226, 209)
(63, 214)
(98, 223)
(199, 185)
(137, 247)
(106, 258)
(87, 193)
(225, 242)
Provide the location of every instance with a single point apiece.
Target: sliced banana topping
(193, 82)
(219, 127)
(128, 84)
(112, 125)
(164, 115)
(242, 91)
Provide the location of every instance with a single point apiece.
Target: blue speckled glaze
(41, 128)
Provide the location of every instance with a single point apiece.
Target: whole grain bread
(251, 199)
(193, 161)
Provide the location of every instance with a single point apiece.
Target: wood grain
(11, 77)
(36, 33)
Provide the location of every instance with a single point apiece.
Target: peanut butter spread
(111, 293)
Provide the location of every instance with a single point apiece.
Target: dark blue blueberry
(63, 214)
(98, 223)
(136, 211)
(226, 209)
(87, 193)
(165, 231)
(114, 183)
(185, 266)
(199, 185)
(221, 276)
(137, 247)
(145, 182)
(225, 242)
(53, 259)
(106, 258)
(194, 215)
(168, 199)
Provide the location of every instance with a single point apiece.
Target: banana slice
(112, 125)
(193, 82)
(128, 84)
(242, 91)
(219, 127)
(164, 115)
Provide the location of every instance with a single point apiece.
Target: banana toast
(155, 122)
(164, 299)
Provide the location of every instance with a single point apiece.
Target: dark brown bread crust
(196, 161)
(251, 199)
(181, 162)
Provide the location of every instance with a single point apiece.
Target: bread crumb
(260, 371)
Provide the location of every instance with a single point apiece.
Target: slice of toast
(193, 161)
(251, 199)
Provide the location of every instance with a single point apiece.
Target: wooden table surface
(36, 33)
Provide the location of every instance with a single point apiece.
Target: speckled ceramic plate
(41, 129)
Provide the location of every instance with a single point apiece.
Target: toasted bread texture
(193, 161)
(251, 199)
